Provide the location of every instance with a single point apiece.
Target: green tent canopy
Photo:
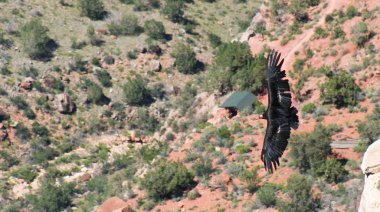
(240, 100)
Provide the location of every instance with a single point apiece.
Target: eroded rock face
(64, 103)
(370, 201)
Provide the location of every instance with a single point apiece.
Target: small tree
(35, 39)
(173, 9)
(155, 29)
(215, 40)
(93, 9)
(340, 90)
(185, 59)
(167, 179)
(135, 91)
(360, 33)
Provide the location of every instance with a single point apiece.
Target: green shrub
(104, 78)
(144, 121)
(8, 160)
(308, 108)
(128, 25)
(360, 33)
(333, 171)
(19, 102)
(337, 32)
(135, 91)
(22, 132)
(167, 179)
(340, 89)
(35, 39)
(203, 167)
(310, 150)
(215, 40)
(194, 194)
(299, 10)
(267, 195)
(241, 149)
(174, 10)
(370, 128)
(319, 32)
(240, 72)
(155, 29)
(27, 173)
(223, 132)
(95, 94)
(93, 9)
(52, 197)
(299, 191)
(351, 11)
(252, 179)
(186, 98)
(29, 113)
(185, 59)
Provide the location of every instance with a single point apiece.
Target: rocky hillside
(116, 104)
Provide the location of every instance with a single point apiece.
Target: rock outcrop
(250, 31)
(64, 103)
(370, 200)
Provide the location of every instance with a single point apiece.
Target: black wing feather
(281, 116)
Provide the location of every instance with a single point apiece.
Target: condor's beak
(261, 117)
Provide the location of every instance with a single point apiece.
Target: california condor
(280, 115)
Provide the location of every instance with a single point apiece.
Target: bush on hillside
(215, 40)
(144, 122)
(93, 9)
(267, 195)
(351, 11)
(370, 128)
(53, 197)
(360, 33)
(95, 95)
(310, 150)
(35, 40)
(155, 29)
(340, 89)
(167, 179)
(299, 191)
(127, 25)
(135, 91)
(104, 78)
(185, 59)
(333, 171)
(174, 10)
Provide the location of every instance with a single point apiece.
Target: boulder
(250, 31)
(64, 103)
(370, 167)
(85, 177)
(3, 135)
(27, 83)
(114, 204)
(153, 65)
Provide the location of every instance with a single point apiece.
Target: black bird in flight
(280, 115)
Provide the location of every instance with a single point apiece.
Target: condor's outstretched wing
(281, 116)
